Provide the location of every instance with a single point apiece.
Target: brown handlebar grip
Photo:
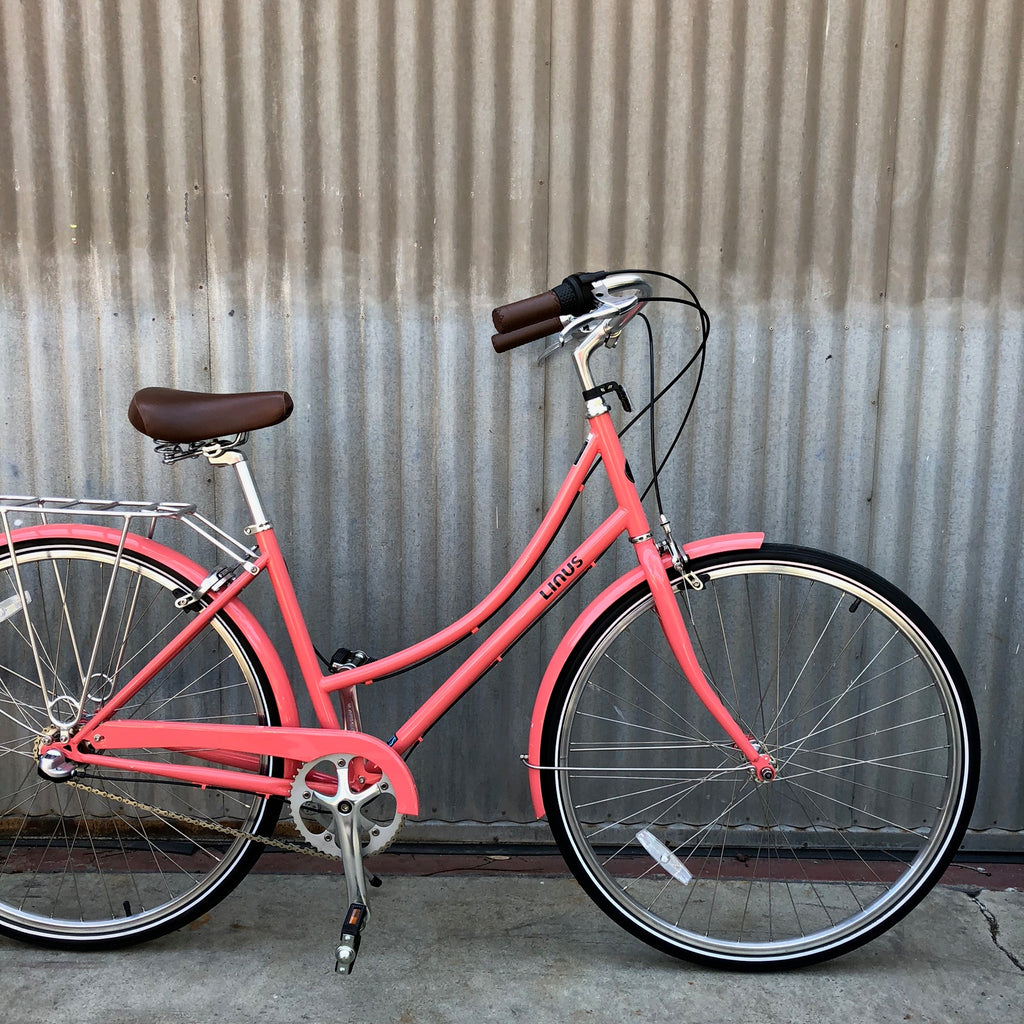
(524, 312)
(513, 339)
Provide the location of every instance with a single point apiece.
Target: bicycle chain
(215, 826)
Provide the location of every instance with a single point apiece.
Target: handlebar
(524, 335)
(539, 316)
(593, 307)
(526, 320)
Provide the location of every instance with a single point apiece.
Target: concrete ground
(509, 947)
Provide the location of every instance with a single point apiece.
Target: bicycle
(751, 755)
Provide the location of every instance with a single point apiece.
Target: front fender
(593, 611)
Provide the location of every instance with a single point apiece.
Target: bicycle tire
(82, 871)
(858, 699)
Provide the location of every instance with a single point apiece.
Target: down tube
(492, 650)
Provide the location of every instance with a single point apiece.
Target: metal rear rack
(52, 510)
(94, 507)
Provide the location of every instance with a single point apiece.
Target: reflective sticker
(10, 605)
(665, 857)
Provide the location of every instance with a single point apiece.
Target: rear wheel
(108, 857)
(851, 690)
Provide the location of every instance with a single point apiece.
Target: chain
(215, 826)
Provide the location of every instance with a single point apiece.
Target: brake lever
(611, 305)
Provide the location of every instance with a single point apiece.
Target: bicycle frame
(239, 748)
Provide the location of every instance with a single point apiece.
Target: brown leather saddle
(166, 414)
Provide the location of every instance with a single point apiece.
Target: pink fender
(239, 614)
(596, 608)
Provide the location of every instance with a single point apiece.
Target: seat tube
(262, 529)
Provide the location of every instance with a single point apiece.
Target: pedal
(348, 945)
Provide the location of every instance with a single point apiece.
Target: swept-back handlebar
(592, 308)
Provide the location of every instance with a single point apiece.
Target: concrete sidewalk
(506, 948)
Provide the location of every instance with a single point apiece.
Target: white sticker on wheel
(11, 605)
(665, 858)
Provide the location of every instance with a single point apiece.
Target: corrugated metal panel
(330, 198)
(948, 483)
(815, 169)
(102, 232)
(361, 194)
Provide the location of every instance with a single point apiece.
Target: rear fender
(264, 650)
(593, 611)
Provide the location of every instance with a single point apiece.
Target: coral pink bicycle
(750, 755)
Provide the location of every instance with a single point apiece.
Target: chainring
(378, 817)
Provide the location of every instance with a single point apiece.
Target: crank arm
(346, 831)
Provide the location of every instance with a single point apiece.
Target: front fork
(650, 558)
(671, 618)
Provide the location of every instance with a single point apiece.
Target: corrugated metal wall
(331, 197)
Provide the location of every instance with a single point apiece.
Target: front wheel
(850, 689)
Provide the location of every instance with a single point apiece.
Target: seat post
(233, 457)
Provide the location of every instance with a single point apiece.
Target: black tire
(853, 692)
(79, 870)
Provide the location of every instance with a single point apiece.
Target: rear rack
(94, 507)
(53, 510)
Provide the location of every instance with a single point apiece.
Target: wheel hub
(54, 765)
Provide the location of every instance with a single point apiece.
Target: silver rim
(74, 865)
(850, 699)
